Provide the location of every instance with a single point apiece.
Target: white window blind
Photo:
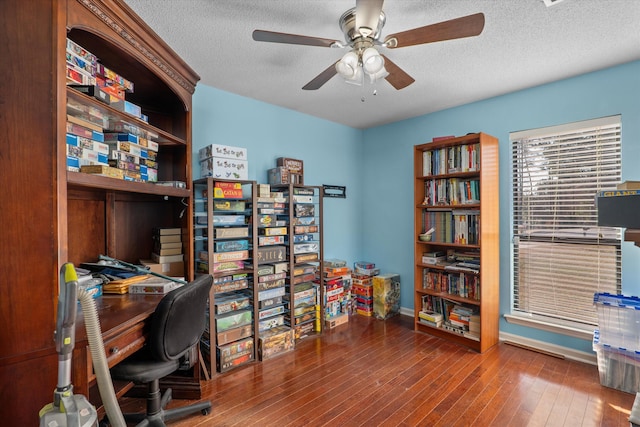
(561, 256)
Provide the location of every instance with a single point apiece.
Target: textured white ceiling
(523, 44)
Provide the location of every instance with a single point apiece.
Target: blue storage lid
(614, 300)
(609, 347)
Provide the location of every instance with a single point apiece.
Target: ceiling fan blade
(321, 78)
(368, 15)
(397, 77)
(458, 28)
(273, 37)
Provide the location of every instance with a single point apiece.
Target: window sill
(545, 325)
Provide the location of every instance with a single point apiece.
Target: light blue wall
(331, 154)
(375, 221)
(604, 93)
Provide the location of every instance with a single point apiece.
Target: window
(561, 257)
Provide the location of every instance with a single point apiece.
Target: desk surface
(116, 314)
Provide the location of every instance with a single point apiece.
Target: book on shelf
(164, 259)
(437, 324)
(161, 231)
(431, 316)
(167, 245)
(169, 238)
(167, 251)
(153, 285)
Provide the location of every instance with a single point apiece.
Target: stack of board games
(81, 65)
(386, 295)
(338, 301)
(223, 162)
(135, 155)
(86, 74)
(84, 124)
(363, 274)
(85, 142)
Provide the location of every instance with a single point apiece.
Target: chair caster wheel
(206, 411)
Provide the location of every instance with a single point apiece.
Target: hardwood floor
(382, 373)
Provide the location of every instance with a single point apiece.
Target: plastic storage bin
(618, 368)
(618, 320)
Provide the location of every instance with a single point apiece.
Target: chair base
(156, 414)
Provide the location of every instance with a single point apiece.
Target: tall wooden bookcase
(457, 194)
(51, 216)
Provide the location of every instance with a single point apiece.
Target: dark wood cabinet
(50, 215)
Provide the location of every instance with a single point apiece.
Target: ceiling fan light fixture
(347, 67)
(378, 76)
(357, 79)
(372, 61)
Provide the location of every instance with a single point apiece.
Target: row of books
(460, 158)
(451, 192)
(461, 284)
(453, 316)
(456, 226)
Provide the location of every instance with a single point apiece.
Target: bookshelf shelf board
(87, 180)
(449, 207)
(449, 296)
(448, 175)
(449, 245)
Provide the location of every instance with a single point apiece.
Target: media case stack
(304, 248)
(272, 269)
(223, 240)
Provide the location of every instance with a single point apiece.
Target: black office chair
(176, 326)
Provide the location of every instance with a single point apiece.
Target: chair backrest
(179, 320)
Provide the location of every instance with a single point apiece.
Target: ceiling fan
(361, 26)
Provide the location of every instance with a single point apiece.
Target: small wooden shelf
(87, 180)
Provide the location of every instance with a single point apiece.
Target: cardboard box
(386, 295)
(336, 321)
(171, 269)
(222, 151)
(278, 176)
(292, 165)
(219, 167)
(275, 341)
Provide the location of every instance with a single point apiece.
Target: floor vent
(537, 350)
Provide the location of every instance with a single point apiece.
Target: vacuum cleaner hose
(100, 367)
